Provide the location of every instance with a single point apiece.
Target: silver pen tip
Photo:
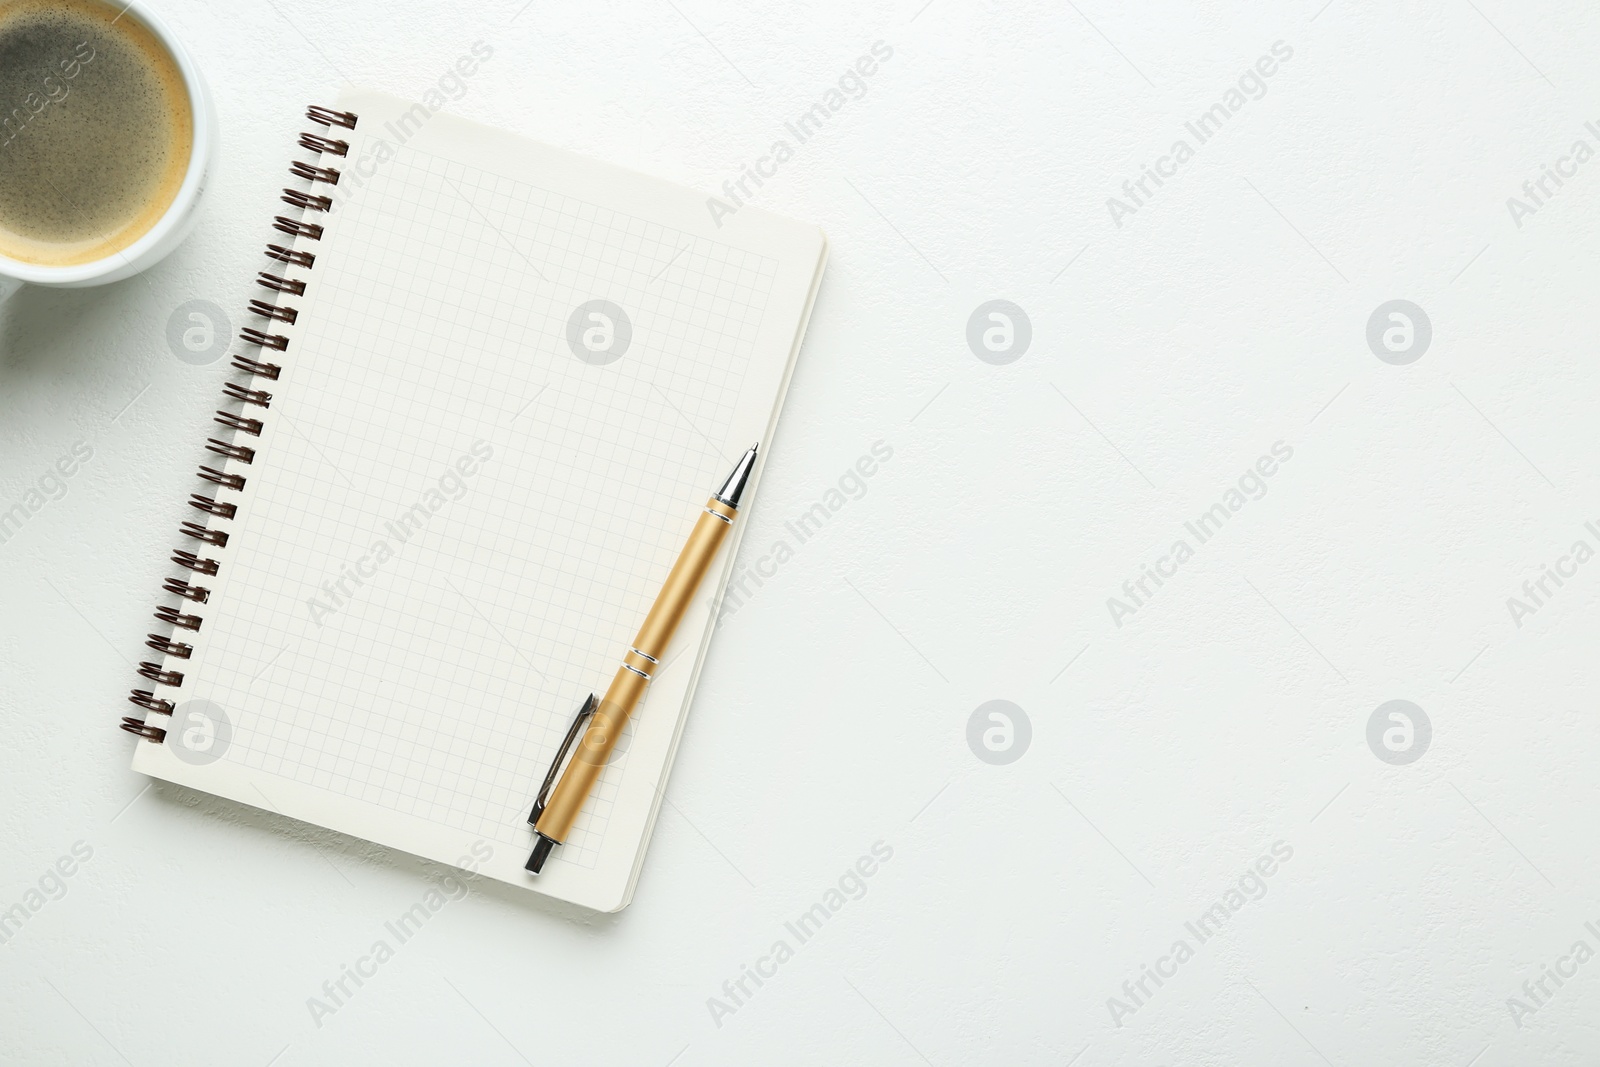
(733, 488)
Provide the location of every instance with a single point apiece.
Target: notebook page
(515, 377)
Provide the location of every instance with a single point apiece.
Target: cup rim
(193, 177)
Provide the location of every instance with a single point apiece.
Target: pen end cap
(541, 852)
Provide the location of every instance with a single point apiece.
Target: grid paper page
(465, 504)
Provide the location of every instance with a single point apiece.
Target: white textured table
(1207, 853)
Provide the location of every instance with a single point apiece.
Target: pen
(555, 812)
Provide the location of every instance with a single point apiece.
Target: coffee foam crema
(96, 131)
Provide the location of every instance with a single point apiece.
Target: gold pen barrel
(684, 579)
(641, 662)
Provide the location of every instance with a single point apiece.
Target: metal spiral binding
(171, 648)
(281, 285)
(178, 619)
(273, 311)
(146, 699)
(264, 340)
(259, 397)
(154, 672)
(239, 422)
(296, 228)
(315, 174)
(299, 199)
(227, 481)
(140, 728)
(204, 533)
(189, 592)
(326, 146)
(198, 564)
(332, 118)
(289, 255)
(238, 452)
(256, 368)
(212, 506)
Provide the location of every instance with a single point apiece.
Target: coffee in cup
(96, 130)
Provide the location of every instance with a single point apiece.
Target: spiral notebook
(484, 393)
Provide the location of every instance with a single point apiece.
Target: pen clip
(561, 756)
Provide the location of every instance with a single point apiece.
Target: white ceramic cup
(170, 230)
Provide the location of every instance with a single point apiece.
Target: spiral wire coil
(257, 368)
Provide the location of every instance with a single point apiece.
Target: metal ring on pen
(646, 655)
(719, 515)
(636, 670)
